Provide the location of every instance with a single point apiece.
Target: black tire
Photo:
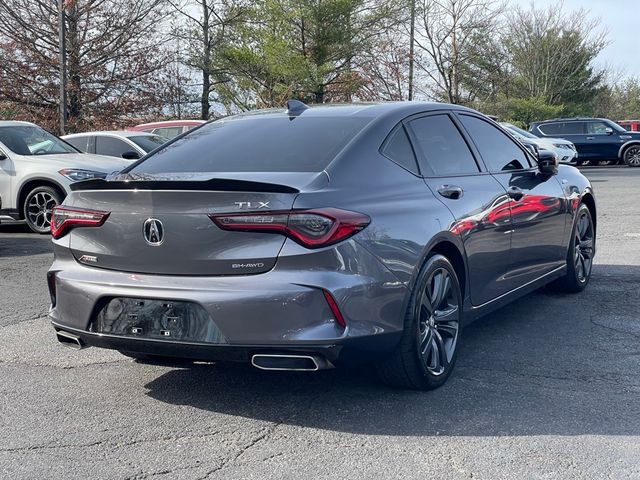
(631, 155)
(426, 354)
(580, 254)
(37, 208)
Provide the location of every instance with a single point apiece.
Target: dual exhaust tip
(291, 363)
(263, 361)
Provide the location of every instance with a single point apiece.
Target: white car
(36, 169)
(564, 149)
(121, 144)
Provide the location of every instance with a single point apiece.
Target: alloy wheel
(632, 156)
(39, 208)
(583, 245)
(438, 322)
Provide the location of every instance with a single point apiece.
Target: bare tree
(113, 49)
(445, 34)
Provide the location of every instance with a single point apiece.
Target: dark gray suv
(597, 140)
(305, 238)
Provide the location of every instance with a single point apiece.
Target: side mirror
(608, 131)
(547, 162)
(131, 155)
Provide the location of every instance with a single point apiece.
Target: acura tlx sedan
(306, 238)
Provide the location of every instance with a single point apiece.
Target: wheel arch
(625, 146)
(590, 202)
(32, 183)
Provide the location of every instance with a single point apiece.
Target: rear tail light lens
(310, 228)
(64, 219)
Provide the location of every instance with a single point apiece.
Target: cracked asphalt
(548, 387)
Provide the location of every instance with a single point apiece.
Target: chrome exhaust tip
(289, 362)
(69, 340)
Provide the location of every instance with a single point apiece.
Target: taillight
(64, 219)
(310, 228)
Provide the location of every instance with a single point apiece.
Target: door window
(114, 147)
(168, 132)
(499, 152)
(562, 128)
(81, 143)
(441, 148)
(597, 128)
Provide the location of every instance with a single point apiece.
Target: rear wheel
(631, 156)
(38, 207)
(580, 254)
(427, 352)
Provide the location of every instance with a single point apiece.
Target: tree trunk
(75, 84)
(206, 63)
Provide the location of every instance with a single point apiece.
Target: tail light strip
(64, 219)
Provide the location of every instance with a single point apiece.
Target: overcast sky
(621, 19)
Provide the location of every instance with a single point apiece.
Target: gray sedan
(306, 238)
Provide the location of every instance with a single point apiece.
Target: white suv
(36, 169)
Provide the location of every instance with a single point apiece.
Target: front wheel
(580, 254)
(631, 156)
(38, 207)
(427, 351)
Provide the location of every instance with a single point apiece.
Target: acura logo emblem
(153, 231)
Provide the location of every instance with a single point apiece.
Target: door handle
(591, 138)
(453, 192)
(515, 193)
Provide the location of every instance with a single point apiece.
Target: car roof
(15, 123)
(113, 133)
(574, 119)
(169, 123)
(371, 110)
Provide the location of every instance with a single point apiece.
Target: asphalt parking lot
(548, 387)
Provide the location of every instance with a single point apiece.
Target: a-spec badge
(153, 232)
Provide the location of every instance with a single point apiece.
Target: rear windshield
(256, 144)
(148, 142)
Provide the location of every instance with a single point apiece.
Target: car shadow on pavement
(17, 240)
(547, 364)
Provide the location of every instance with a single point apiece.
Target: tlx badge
(252, 204)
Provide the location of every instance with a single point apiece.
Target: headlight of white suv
(77, 175)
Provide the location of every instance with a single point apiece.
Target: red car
(630, 125)
(168, 129)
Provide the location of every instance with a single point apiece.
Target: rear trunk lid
(162, 226)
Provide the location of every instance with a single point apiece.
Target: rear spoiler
(214, 184)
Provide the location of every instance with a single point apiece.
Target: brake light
(310, 228)
(64, 219)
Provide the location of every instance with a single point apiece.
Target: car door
(6, 174)
(602, 142)
(111, 146)
(478, 202)
(539, 213)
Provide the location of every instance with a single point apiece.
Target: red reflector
(337, 315)
(310, 228)
(64, 219)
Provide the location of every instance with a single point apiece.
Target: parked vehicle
(596, 139)
(168, 129)
(36, 170)
(564, 149)
(337, 234)
(630, 125)
(127, 145)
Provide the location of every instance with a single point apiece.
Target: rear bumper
(282, 310)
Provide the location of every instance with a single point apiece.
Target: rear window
(562, 128)
(148, 142)
(256, 144)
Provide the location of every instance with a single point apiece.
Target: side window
(550, 128)
(113, 147)
(398, 149)
(441, 148)
(499, 152)
(81, 143)
(168, 132)
(597, 128)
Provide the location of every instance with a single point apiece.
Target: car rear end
(219, 260)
